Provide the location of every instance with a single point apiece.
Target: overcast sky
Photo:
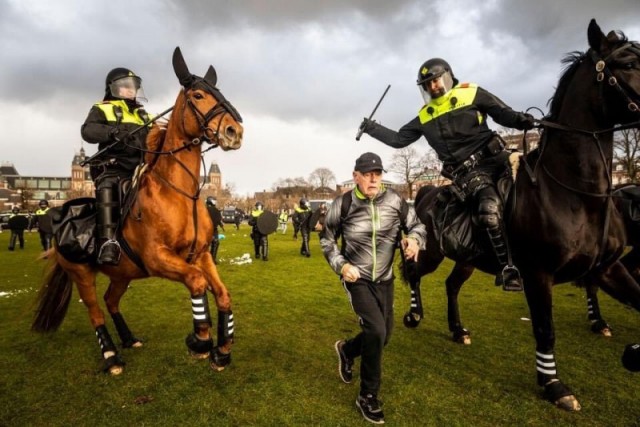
(303, 74)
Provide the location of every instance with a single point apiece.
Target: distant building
(26, 191)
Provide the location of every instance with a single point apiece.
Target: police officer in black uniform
(45, 235)
(109, 122)
(216, 219)
(17, 229)
(304, 217)
(260, 241)
(454, 122)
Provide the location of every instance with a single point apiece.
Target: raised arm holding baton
(363, 125)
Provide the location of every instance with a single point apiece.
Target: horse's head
(617, 71)
(210, 116)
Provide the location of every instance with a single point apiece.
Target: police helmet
(43, 203)
(211, 201)
(259, 206)
(431, 70)
(15, 210)
(123, 78)
(304, 203)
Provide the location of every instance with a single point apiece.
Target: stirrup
(109, 252)
(510, 279)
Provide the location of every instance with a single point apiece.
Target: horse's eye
(198, 96)
(630, 65)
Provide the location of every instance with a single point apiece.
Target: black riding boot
(509, 276)
(107, 212)
(215, 243)
(256, 246)
(265, 247)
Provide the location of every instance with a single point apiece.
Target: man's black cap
(368, 162)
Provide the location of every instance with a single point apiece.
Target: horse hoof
(219, 360)
(568, 403)
(462, 336)
(198, 356)
(116, 370)
(411, 320)
(606, 332)
(136, 344)
(465, 339)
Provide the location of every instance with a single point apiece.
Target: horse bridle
(602, 71)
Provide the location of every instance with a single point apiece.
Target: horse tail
(53, 299)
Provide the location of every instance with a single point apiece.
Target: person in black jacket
(17, 228)
(108, 125)
(304, 213)
(260, 241)
(454, 122)
(216, 219)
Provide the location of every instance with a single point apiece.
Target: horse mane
(156, 136)
(571, 61)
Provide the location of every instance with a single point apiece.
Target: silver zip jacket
(370, 228)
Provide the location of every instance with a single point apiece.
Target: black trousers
(373, 304)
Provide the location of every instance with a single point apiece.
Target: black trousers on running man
(373, 304)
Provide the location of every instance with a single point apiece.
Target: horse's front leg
(411, 275)
(115, 291)
(221, 357)
(537, 289)
(169, 265)
(460, 274)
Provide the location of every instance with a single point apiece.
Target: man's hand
(411, 248)
(350, 273)
(113, 134)
(527, 122)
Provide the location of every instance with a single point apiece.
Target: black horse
(562, 221)
(626, 200)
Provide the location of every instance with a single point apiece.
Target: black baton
(361, 131)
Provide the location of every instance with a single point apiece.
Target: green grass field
(288, 313)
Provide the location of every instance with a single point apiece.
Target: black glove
(526, 121)
(113, 134)
(366, 125)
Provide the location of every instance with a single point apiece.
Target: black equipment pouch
(74, 230)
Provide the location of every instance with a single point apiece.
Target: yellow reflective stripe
(464, 97)
(127, 116)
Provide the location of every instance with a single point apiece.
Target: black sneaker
(370, 408)
(344, 363)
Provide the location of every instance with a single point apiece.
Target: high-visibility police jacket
(455, 124)
(40, 212)
(102, 119)
(304, 217)
(253, 219)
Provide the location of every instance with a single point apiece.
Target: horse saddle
(456, 227)
(74, 226)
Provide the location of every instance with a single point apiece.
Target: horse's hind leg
(460, 274)
(85, 279)
(598, 324)
(112, 297)
(412, 273)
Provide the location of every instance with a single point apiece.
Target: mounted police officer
(108, 125)
(260, 241)
(304, 220)
(454, 122)
(216, 219)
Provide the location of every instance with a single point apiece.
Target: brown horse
(168, 232)
(563, 223)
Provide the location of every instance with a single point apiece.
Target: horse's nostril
(230, 132)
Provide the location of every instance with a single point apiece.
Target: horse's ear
(180, 68)
(596, 36)
(211, 76)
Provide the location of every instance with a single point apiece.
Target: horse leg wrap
(225, 327)
(546, 368)
(200, 310)
(109, 351)
(126, 337)
(416, 302)
(219, 360)
(197, 345)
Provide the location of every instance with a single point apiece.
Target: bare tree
(626, 148)
(322, 177)
(407, 164)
